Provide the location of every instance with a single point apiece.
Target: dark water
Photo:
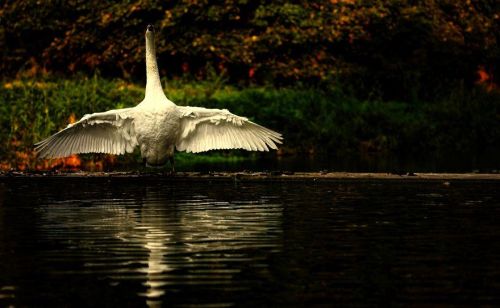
(140, 242)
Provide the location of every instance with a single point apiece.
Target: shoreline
(254, 176)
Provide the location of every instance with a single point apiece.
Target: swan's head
(150, 37)
(150, 32)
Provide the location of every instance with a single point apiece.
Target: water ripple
(251, 244)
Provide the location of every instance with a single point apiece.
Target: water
(153, 242)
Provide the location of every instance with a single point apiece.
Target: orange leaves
(106, 18)
(71, 118)
(72, 162)
(485, 78)
(342, 1)
(28, 161)
(23, 157)
(22, 160)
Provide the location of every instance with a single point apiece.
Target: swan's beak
(150, 28)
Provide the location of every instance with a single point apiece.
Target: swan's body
(158, 127)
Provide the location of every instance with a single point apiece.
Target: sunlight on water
(161, 241)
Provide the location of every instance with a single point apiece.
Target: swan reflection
(166, 243)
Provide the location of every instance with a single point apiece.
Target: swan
(158, 127)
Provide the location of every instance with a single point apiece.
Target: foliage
(32, 109)
(311, 120)
(391, 49)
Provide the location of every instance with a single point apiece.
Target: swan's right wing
(109, 132)
(205, 129)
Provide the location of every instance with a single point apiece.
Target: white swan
(158, 126)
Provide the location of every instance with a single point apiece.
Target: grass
(311, 120)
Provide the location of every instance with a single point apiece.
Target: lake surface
(153, 242)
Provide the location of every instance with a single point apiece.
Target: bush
(393, 49)
(311, 120)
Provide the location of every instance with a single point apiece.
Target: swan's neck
(154, 89)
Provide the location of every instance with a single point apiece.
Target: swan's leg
(171, 159)
(143, 155)
(171, 172)
(170, 155)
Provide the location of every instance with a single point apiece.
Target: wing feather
(259, 141)
(71, 144)
(58, 143)
(235, 141)
(209, 129)
(248, 138)
(106, 145)
(268, 138)
(81, 143)
(87, 143)
(106, 132)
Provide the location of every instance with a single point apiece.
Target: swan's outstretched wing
(104, 132)
(211, 129)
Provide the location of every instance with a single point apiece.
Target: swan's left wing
(109, 132)
(213, 129)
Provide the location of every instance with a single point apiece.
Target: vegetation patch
(312, 120)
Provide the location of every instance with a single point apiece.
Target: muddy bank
(253, 176)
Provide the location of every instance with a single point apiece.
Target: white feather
(95, 133)
(209, 129)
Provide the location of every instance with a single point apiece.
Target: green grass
(311, 120)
